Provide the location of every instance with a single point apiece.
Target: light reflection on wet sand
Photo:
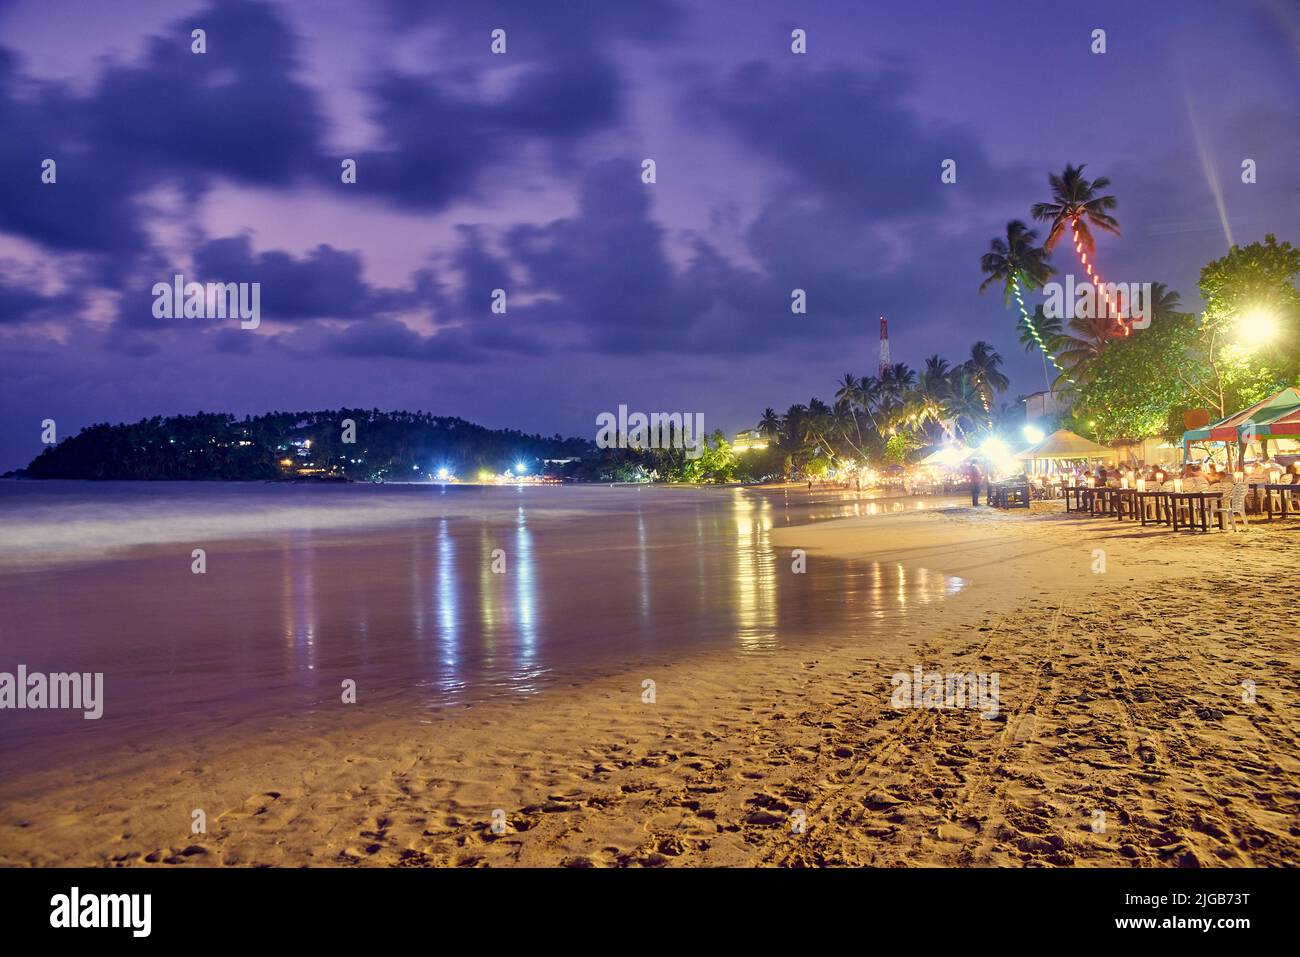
(417, 617)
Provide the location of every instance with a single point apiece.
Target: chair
(1234, 504)
(1219, 506)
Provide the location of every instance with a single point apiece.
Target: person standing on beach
(973, 473)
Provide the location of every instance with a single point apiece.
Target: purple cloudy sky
(522, 171)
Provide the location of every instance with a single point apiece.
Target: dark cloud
(174, 117)
(387, 338)
(325, 283)
(90, 205)
(848, 134)
(440, 141)
(605, 269)
(19, 304)
(236, 111)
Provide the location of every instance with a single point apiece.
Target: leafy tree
(1140, 385)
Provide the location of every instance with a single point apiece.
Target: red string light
(1095, 278)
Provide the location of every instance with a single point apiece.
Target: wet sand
(1124, 736)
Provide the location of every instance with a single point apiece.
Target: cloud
(325, 283)
(20, 304)
(176, 117)
(848, 135)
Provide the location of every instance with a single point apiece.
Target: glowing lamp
(1256, 327)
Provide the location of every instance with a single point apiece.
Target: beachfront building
(748, 439)
(1046, 409)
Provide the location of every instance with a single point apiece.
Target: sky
(523, 171)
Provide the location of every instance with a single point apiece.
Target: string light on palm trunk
(1033, 330)
(1095, 278)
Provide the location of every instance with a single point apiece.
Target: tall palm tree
(1083, 340)
(849, 389)
(896, 380)
(1014, 261)
(849, 395)
(793, 432)
(1075, 205)
(1049, 330)
(770, 425)
(1164, 301)
(964, 405)
(1015, 258)
(816, 423)
(931, 392)
(935, 373)
(872, 394)
(983, 366)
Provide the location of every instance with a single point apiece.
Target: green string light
(1033, 330)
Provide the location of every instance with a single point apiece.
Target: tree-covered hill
(388, 445)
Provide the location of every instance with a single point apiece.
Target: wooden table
(1105, 501)
(1269, 488)
(1129, 504)
(1163, 514)
(1198, 509)
(1082, 502)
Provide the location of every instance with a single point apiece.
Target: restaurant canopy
(1064, 445)
(1288, 424)
(949, 456)
(1265, 419)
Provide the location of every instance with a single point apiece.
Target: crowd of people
(1193, 478)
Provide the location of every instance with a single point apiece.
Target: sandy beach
(1147, 717)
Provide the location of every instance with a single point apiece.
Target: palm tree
(1014, 260)
(849, 395)
(849, 389)
(1084, 341)
(895, 381)
(1164, 301)
(1088, 335)
(964, 405)
(984, 372)
(769, 425)
(1048, 328)
(1075, 204)
(871, 392)
(935, 372)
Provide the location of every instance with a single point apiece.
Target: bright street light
(1257, 327)
(1033, 434)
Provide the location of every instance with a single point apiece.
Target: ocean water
(428, 597)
